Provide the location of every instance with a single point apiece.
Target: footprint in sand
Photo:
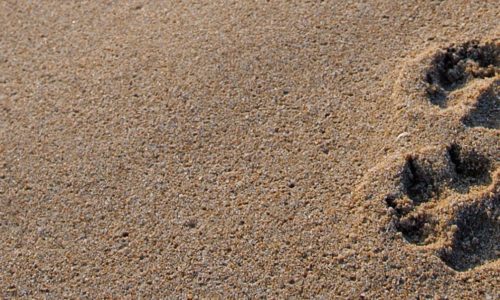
(449, 201)
(442, 199)
(461, 80)
(446, 199)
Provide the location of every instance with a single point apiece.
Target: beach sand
(244, 149)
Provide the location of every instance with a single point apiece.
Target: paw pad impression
(449, 202)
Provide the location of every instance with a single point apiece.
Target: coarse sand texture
(250, 149)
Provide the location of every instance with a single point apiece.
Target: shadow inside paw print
(470, 168)
(477, 236)
(486, 112)
(418, 181)
(432, 185)
(452, 68)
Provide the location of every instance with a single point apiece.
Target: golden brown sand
(244, 149)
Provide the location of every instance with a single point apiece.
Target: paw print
(443, 199)
(461, 80)
(448, 200)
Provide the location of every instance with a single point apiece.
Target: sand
(245, 149)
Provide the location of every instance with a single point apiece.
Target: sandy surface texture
(246, 149)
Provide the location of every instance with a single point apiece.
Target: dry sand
(305, 149)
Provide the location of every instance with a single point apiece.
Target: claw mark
(418, 184)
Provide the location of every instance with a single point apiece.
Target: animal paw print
(448, 201)
(461, 80)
